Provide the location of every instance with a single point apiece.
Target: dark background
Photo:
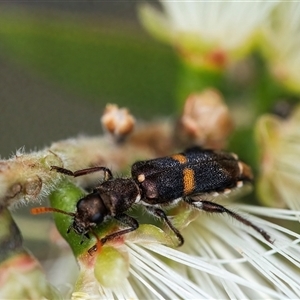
(62, 61)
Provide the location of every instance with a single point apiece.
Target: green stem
(266, 90)
(193, 80)
(65, 198)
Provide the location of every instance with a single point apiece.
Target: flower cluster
(208, 34)
(220, 257)
(215, 34)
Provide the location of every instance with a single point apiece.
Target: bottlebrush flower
(278, 141)
(208, 34)
(281, 42)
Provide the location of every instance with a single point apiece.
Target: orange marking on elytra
(188, 181)
(180, 158)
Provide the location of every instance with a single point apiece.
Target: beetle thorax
(119, 194)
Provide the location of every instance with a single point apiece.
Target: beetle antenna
(43, 210)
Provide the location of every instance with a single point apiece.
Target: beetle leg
(125, 219)
(212, 207)
(107, 172)
(162, 215)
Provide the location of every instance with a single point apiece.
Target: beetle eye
(97, 218)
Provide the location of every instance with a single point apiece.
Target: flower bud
(205, 121)
(117, 121)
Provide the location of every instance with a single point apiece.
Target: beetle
(188, 176)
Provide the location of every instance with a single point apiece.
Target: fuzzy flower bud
(206, 120)
(21, 276)
(278, 141)
(27, 177)
(117, 121)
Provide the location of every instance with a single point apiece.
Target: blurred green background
(61, 62)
